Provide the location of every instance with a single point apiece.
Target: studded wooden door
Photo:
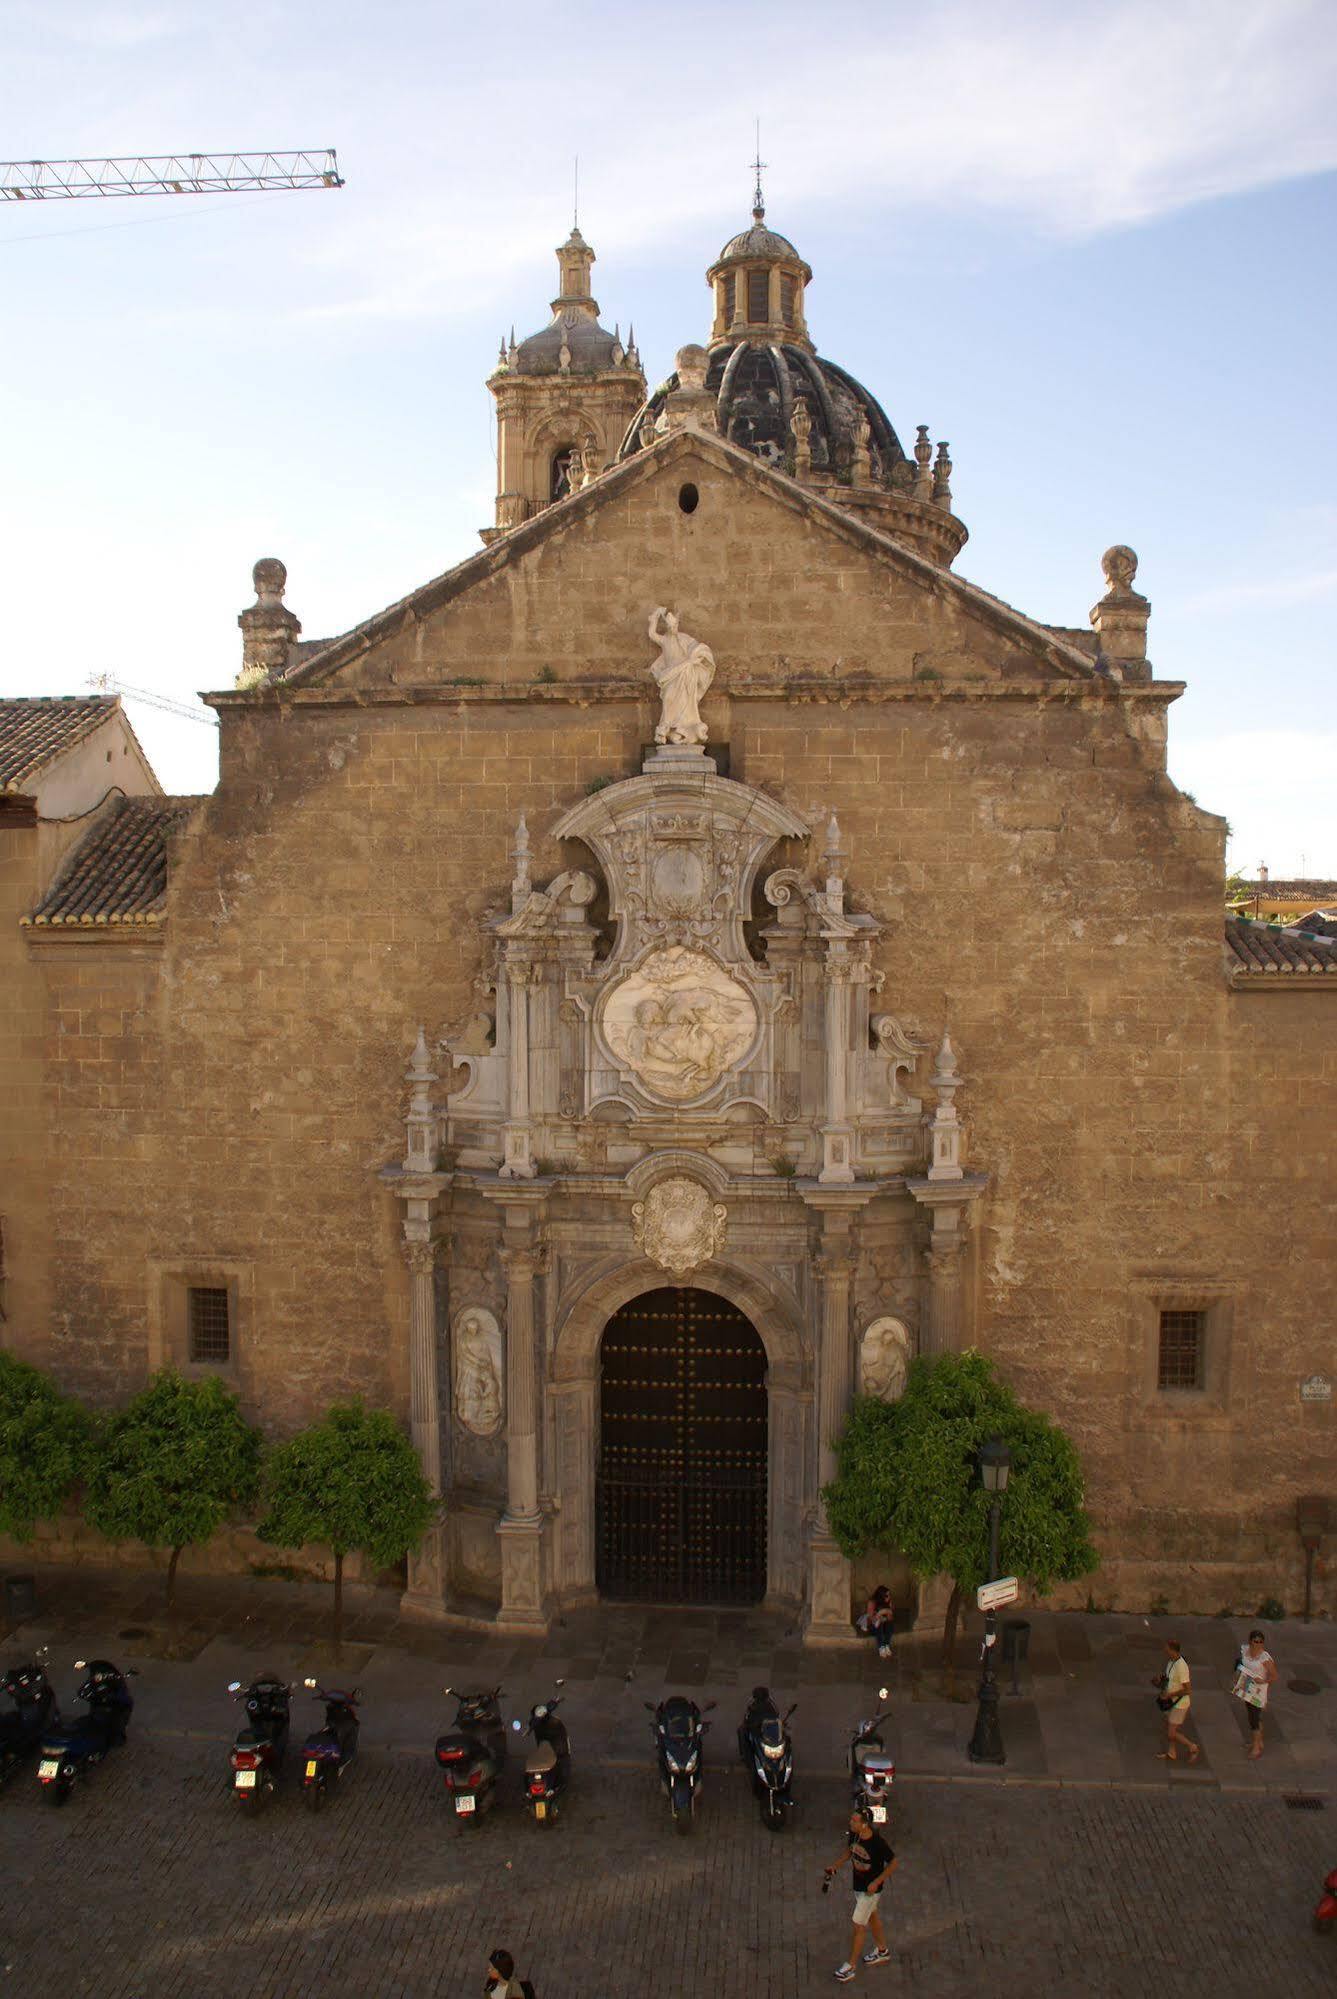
(682, 1469)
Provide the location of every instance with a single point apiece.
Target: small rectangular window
(787, 288)
(730, 298)
(1180, 1358)
(758, 297)
(209, 1326)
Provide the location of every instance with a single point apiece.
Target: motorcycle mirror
(516, 1726)
(649, 1706)
(882, 1694)
(309, 1683)
(559, 1683)
(447, 1690)
(708, 1706)
(792, 1710)
(81, 1665)
(234, 1686)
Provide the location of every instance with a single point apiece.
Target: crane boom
(173, 173)
(109, 684)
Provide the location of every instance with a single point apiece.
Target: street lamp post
(986, 1744)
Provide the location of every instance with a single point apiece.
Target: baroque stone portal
(478, 1372)
(678, 1022)
(678, 1226)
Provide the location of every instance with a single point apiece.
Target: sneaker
(877, 1956)
(845, 1974)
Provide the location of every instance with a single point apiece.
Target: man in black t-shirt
(872, 1861)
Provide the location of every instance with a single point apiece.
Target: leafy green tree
(44, 1447)
(172, 1467)
(353, 1482)
(908, 1479)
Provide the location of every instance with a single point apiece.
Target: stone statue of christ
(683, 672)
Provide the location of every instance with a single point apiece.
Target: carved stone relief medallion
(884, 1359)
(478, 1371)
(678, 1226)
(678, 1022)
(678, 881)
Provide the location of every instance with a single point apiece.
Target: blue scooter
(329, 1750)
(71, 1748)
(34, 1712)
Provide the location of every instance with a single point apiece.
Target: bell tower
(564, 397)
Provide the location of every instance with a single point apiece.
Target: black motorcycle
(548, 1763)
(70, 1748)
(872, 1769)
(679, 1734)
(34, 1712)
(328, 1751)
(262, 1740)
(768, 1753)
(472, 1758)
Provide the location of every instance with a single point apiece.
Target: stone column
(829, 1571)
(521, 1528)
(517, 1163)
(837, 1164)
(427, 1562)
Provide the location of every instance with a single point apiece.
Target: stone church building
(660, 976)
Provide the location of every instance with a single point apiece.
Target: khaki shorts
(865, 1908)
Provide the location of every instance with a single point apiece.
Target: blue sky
(1092, 246)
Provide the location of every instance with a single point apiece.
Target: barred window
(730, 290)
(758, 297)
(1179, 1362)
(209, 1326)
(787, 290)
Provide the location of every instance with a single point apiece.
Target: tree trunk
(949, 1640)
(338, 1599)
(171, 1580)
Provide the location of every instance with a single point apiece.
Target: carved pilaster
(427, 1562)
(943, 1320)
(517, 1162)
(828, 1570)
(837, 1137)
(521, 1530)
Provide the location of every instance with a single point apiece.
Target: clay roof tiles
(1266, 948)
(118, 872)
(35, 730)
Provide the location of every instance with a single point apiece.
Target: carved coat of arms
(678, 1226)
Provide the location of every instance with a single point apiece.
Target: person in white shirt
(1174, 1697)
(1255, 1670)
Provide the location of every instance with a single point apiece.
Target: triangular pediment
(786, 586)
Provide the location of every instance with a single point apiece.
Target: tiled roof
(34, 732)
(1267, 948)
(118, 872)
(1304, 889)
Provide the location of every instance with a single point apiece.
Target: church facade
(665, 973)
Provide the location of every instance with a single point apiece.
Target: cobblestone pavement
(1083, 1868)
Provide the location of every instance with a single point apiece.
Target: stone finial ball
(269, 576)
(1120, 566)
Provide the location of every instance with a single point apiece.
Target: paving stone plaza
(1082, 1867)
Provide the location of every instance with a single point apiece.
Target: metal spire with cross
(758, 168)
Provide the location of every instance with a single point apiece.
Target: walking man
(1174, 1698)
(872, 1861)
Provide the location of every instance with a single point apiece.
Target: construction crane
(173, 173)
(107, 683)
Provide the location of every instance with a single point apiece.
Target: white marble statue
(885, 1359)
(478, 1372)
(683, 671)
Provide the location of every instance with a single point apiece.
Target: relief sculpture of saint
(678, 1022)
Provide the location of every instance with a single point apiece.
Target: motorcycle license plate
(311, 1768)
(246, 1780)
(540, 1809)
(878, 1815)
(465, 1805)
(48, 1767)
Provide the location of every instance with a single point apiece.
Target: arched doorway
(681, 1490)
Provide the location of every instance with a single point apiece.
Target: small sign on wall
(1316, 1388)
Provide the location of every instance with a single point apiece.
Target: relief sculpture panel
(678, 1023)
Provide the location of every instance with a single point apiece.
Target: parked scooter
(679, 1734)
(1325, 1915)
(35, 1711)
(473, 1756)
(70, 1748)
(328, 1751)
(262, 1740)
(767, 1751)
(548, 1763)
(873, 1770)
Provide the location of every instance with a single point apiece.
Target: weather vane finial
(758, 166)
